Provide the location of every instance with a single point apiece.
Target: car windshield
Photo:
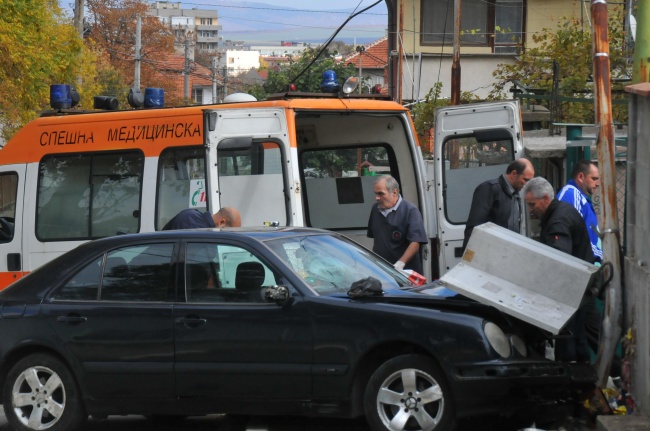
(330, 264)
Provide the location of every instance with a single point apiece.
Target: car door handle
(71, 319)
(190, 321)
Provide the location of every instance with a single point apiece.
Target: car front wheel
(40, 394)
(409, 393)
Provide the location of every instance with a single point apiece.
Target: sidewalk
(623, 423)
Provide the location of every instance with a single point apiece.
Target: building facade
(200, 25)
(493, 32)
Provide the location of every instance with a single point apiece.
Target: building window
(498, 24)
(206, 21)
(197, 95)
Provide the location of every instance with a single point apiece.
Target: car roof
(70, 261)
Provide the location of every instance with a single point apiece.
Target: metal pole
(400, 50)
(613, 311)
(361, 49)
(79, 25)
(138, 37)
(186, 80)
(214, 80)
(455, 66)
(641, 62)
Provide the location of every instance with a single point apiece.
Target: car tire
(40, 393)
(409, 392)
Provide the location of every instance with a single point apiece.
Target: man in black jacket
(498, 200)
(563, 228)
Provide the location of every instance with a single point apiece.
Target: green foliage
(423, 113)
(570, 45)
(37, 48)
(309, 81)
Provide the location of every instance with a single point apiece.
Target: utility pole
(214, 80)
(360, 50)
(186, 80)
(225, 82)
(138, 48)
(79, 25)
(612, 327)
(455, 66)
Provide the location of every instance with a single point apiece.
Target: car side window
(84, 285)
(217, 273)
(138, 273)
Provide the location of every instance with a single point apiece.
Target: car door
(230, 344)
(114, 317)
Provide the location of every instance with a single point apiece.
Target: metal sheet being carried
(521, 277)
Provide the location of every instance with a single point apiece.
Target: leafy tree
(423, 113)
(570, 45)
(113, 30)
(307, 81)
(38, 47)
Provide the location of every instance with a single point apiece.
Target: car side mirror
(278, 294)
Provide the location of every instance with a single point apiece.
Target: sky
(257, 21)
(302, 4)
(297, 4)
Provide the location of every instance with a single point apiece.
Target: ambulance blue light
(60, 96)
(330, 83)
(154, 98)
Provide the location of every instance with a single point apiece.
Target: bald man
(192, 218)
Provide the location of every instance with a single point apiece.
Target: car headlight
(519, 345)
(497, 339)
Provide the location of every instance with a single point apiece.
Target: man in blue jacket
(396, 226)
(585, 179)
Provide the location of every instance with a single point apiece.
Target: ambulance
(297, 159)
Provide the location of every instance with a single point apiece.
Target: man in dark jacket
(563, 228)
(498, 200)
(192, 218)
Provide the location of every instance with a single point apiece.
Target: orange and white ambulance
(295, 159)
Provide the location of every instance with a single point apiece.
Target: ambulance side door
(12, 188)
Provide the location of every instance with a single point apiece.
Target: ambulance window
(251, 179)
(181, 182)
(469, 161)
(339, 184)
(88, 196)
(8, 188)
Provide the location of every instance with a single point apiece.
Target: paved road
(216, 423)
(227, 423)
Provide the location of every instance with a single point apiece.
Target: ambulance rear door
(251, 165)
(473, 143)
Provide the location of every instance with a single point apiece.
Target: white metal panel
(521, 277)
(458, 121)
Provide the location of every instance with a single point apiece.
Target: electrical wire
(331, 38)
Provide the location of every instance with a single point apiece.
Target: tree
(113, 30)
(38, 47)
(307, 79)
(570, 45)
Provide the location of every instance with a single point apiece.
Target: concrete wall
(637, 255)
